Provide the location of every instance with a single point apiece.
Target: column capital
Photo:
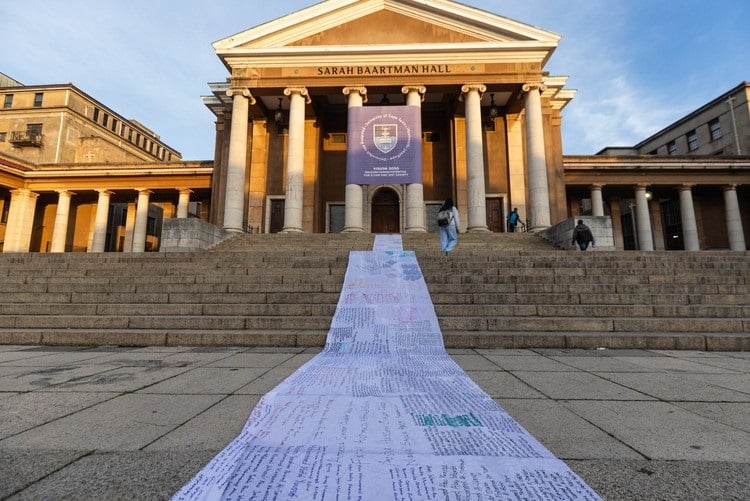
(241, 91)
(528, 87)
(184, 190)
(481, 88)
(302, 91)
(146, 191)
(65, 192)
(359, 89)
(421, 89)
(730, 187)
(641, 187)
(104, 191)
(597, 186)
(686, 186)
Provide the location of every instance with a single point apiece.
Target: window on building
(8, 103)
(38, 98)
(671, 148)
(2, 136)
(714, 126)
(692, 140)
(34, 130)
(105, 119)
(114, 125)
(95, 118)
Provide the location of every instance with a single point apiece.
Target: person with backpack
(448, 222)
(513, 219)
(582, 236)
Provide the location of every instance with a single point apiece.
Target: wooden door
(385, 212)
(277, 216)
(495, 214)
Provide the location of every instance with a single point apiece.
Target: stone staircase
(493, 291)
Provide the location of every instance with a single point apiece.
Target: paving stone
(126, 423)
(661, 430)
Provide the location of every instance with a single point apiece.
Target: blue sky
(637, 65)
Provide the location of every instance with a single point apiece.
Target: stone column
(354, 201)
(536, 160)
(734, 219)
(415, 213)
(20, 220)
(234, 199)
(687, 217)
(477, 217)
(183, 202)
(60, 230)
(597, 202)
(100, 222)
(141, 221)
(295, 169)
(642, 220)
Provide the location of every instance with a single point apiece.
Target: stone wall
(561, 234)
(189, 235)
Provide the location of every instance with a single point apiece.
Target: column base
(478, 229)
(415, 230)
(353, 229)
(292, 230)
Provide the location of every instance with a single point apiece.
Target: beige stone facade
(473, 74)
(72, 172)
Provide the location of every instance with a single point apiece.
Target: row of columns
(539, 205)
(644, 234)
(23, 207)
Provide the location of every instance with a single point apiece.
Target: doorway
(495, 215)
(385, 212)
(277, 215)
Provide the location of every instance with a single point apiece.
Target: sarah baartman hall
(330, 120)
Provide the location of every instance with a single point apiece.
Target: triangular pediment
(351, 23)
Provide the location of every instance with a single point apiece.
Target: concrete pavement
(136, 423)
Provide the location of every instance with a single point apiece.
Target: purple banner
(385, 145)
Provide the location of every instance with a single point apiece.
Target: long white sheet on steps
(383, 412)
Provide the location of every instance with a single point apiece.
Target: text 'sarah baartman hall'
(366, 115)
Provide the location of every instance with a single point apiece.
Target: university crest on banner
(385, 137)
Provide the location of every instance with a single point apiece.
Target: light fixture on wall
(491, 113)
(493, 107)
(279, 116)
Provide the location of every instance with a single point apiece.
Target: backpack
(513, 218)
(444, 217)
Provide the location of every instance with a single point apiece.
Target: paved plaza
(137, 423)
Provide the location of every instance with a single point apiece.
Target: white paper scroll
(383, 413)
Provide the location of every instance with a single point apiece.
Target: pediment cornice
(474, 27)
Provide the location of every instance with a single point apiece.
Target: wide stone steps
(281, 290)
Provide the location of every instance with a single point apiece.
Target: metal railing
(26, 138)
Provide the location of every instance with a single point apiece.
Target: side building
(687, 187)
(77, 176)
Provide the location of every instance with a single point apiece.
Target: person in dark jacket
(582, 236)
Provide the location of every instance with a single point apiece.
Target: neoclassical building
(490, 118)
(364, 116)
